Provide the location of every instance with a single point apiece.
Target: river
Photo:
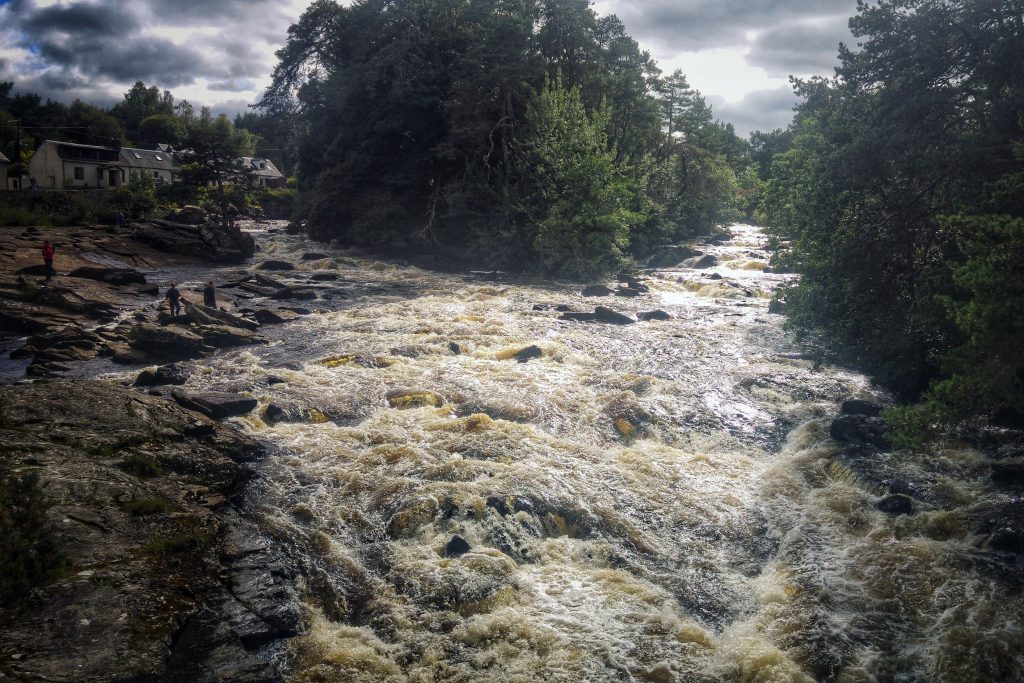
(649, 502)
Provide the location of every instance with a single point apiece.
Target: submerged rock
(607, 315)
(896, 504)
(529, 353)
(413, 398)
(268, 316)
(457, 546)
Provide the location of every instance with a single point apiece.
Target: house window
(79, 173)
(156, 174)
(158, 157)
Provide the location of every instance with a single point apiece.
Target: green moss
(148, 506)
(179, 544)
(142, 466)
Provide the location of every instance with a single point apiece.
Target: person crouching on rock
(210, 295)
(173, 297)
(48, 259)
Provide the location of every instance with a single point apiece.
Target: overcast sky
(738, 53)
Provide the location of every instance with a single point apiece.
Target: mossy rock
(403, 398)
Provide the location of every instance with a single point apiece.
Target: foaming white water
(632, 505)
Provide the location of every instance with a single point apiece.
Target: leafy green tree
(213, 158)
(586, 219)
(140, 103)
(887, 196)
(161, 128)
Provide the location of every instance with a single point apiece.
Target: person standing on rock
(48, 259)
(210, 295)
(173, 297)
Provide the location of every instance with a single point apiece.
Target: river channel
(657, 501)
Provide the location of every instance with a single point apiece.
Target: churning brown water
(650, 502)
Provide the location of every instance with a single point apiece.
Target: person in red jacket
(48, 259)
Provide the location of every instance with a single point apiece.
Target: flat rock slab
(268, 316)
(215, 404)
(114, 276)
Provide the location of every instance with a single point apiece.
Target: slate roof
(3, 159)
(147, 158)
(253, 166)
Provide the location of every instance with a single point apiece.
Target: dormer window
(137, 155)
(158, 157)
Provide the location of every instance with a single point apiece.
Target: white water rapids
(649, 502)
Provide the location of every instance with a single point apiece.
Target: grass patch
(179, 544)
(148, 506)
(142, 466)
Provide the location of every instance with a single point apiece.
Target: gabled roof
(3, 159)
(252, 164)
(86, 153)
(147, 158)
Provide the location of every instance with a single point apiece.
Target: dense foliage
(29, 553)
(523, 133)
(901, 197)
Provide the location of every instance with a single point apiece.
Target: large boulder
(672, 256)
(607, 315)
(297, 293)
(654, 315)
(165, 374)
(272, 264)
(214, 404)
(113, 276)
(857, 406)
(706, 261)
(189, 215)
(209, 241)
(167, 342)
(277, 316)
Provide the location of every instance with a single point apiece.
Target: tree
(213, 157)
(887, 195)
(161, 128)
(141, 102)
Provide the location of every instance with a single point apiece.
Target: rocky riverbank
(125, 553)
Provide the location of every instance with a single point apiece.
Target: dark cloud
(800, 48)
(110, 44)
(691, 25)
(231, 86)
(759, 110)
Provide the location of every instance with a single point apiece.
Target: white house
(61, 165)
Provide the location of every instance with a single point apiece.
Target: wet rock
(212, 242)
(857, 406)
(715, 276)
(607, 315)
(323, 277)
(413, 398)
(1004, 526)
(455, 348)
(267, 281)
(148, 290)
(776, 306)
(653, 315)
(165, 374)
(267, 316)
(596, 290)
(223, 336)
(529, 353)
(1008, 473)
(35, 269)
(578, 317)
(629, 291)
(706, 261)
(673, 256)
(859, 430)
(298, 293)
(214, 404)
(314, 256)
(896, 504)
(457, 546)
(167, 342)
(274, 413)
(204, 315)
(273, 264)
